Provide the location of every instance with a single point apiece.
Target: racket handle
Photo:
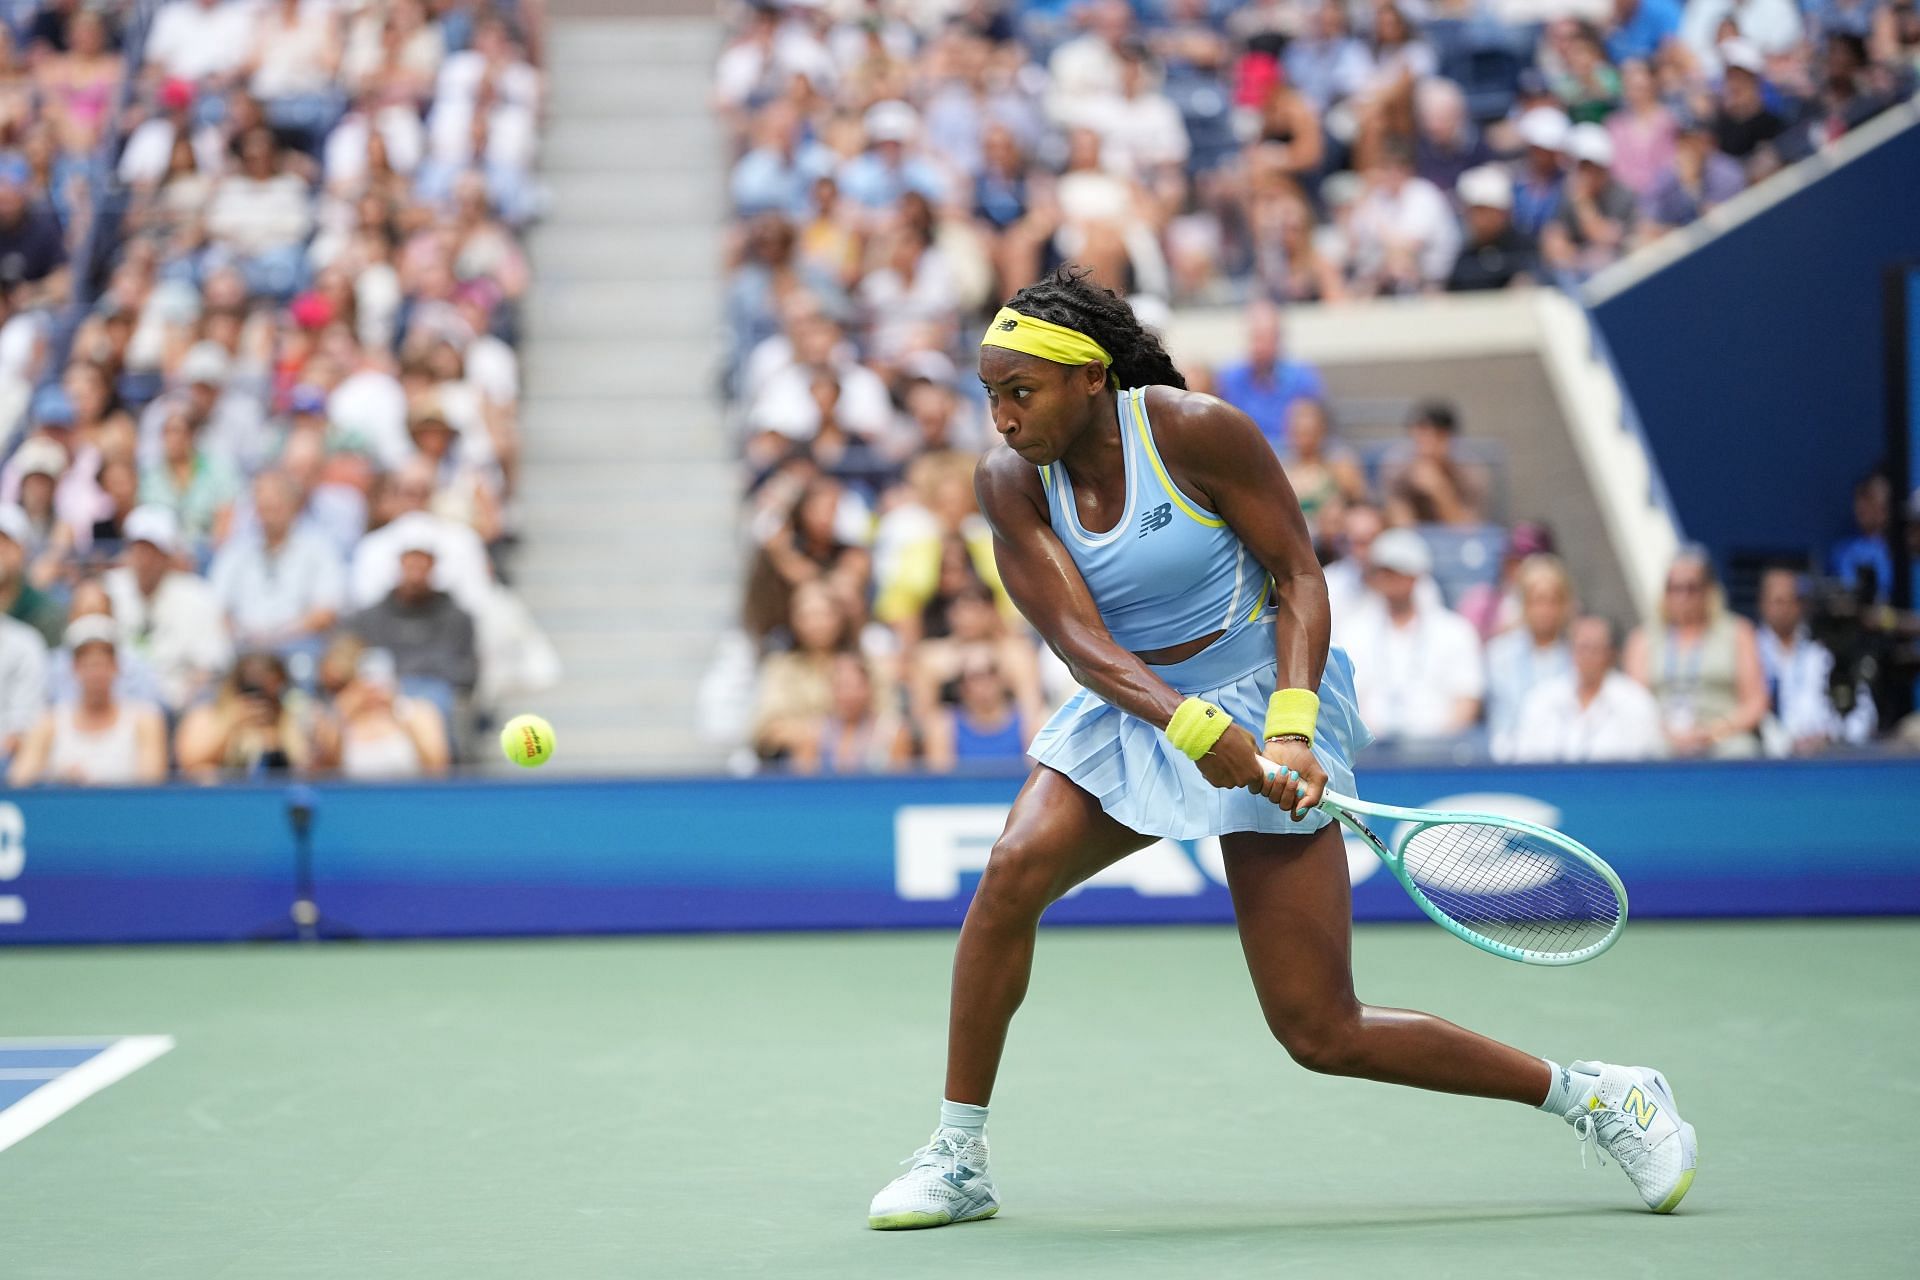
(1273, 771)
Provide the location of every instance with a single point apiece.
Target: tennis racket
(1525, 892)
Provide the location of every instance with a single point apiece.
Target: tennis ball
(527, 741)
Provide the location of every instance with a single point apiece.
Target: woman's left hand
(1301, 781)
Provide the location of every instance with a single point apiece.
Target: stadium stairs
(629, 490)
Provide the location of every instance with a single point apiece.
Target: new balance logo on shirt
(1157, 519)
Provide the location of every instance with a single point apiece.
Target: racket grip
(1273, 771)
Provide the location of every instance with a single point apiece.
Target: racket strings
(1512, 887)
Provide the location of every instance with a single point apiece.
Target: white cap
(1401, 550)
(891, 121)
(1486, 186)
(416, 531)
(40, 456)
(154, 524)
(91, 628)
(205, 362)
(1545, 128)
(1592, 144)
(1742, 55)
(15, 525)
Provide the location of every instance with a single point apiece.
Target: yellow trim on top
(1166, 481)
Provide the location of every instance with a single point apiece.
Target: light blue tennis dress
(1168, 572)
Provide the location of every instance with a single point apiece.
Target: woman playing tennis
(1150, 535)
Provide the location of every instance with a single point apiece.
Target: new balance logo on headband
(1007, 326)
(1158, 518)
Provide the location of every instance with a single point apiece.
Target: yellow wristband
(1293, 711)
(1196, 726)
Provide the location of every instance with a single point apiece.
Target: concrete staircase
(629, 493)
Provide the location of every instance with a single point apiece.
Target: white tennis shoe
(1630, 1115)
(948, 1183)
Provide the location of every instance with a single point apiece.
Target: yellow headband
(1033, 336)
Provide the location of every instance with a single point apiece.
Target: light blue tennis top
(1170, 571)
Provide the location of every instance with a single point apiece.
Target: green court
(725, 1106)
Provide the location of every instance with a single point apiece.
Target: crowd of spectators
(899, 169)
(260, 267)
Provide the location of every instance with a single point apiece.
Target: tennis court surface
(726, 1106)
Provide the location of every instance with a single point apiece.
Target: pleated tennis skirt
(1146, 784)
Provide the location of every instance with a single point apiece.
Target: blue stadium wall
(1758, 362)
(188, 863)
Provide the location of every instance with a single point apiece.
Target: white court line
(55, 1098)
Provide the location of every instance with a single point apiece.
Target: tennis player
(1150, 535)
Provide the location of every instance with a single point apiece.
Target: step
(685, 144)
(616, 367)
(587, 475)
(607, 199)
(620, 45)
(591, 308)
(688, 248)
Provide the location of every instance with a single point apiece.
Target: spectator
(796, 684)
(38, 464)
(1540, 184)
(1744, 123)
(1494, 607)
(197, 485)
(1640, 28)
(169, 616)
(1798, 671)
(1702, 177)
(80, 82)
(98, 738)
(1762, 28)
(33, 253)
(383, 735)
(19, 598)
(856, 735)
(430, 636)
(1425, 482)
(1596, 218)
(281, 585)
(225, 406)
(1586, 85)
(1264, 384)
(929, 546)
(256, 724)
(889, 167)
(1591, 712)
(203, 41)
(1864, 561)
(1449, 143)
(460, 564)
(1324, 473)
(1523, 658)
(136, 682)
(1420, 673)
(805, 547)
(1702, 664)
(975, 630)
(261, 214)
(23, 683)
(1327, 62)
(1495, 254)
(1346, 574)
(1404, 236)
(1643, 132)
(984, 726)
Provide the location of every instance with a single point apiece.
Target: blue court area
(26, 1065)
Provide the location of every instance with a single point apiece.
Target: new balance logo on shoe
(959, 1177)
(1640, 1107)
(1155, 520)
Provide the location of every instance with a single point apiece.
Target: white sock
(1569, 1088)
(965, 1117)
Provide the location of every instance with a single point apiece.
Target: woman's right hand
(1234, 761)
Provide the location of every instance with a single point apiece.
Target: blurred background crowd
(260, 266)
(901, 168)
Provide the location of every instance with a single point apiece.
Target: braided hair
(1069, 298)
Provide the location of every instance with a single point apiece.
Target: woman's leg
(1293, 902)
(1056, 837)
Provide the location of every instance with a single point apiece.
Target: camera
(1873, 645)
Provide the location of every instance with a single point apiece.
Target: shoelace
(939, 1151)
(1587, 1128)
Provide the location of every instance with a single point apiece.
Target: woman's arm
(1044, 582)
(150, 746)
(429, 736)
(31, 761)
(1749, 683)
